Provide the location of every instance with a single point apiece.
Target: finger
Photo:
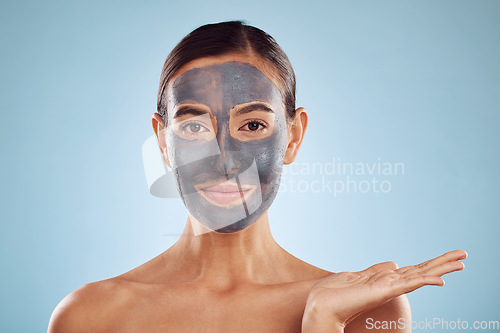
(404, 286)
(449, 256)
(388, 265)
(396, 285)
(438, 270)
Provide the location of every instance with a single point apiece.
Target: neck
(225, 260)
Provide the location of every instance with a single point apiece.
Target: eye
(253, 126)
(194, 127)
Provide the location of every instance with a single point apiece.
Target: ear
(160, 135)
(296, 133)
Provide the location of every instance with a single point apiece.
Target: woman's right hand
(339, 298)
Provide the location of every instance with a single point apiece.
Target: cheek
(182, 152)
(269, 154)
(198, 161)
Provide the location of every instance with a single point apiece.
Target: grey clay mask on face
(227, 171)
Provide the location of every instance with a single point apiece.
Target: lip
(226, 194)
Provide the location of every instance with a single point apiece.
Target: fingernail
(463, 256)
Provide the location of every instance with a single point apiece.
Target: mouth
(226, 194)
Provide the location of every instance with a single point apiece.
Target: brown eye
(253, 126)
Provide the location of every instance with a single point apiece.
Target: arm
(394, 317)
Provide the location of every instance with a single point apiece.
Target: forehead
(229, 83)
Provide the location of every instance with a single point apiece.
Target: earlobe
(159, 130)
(296, 135)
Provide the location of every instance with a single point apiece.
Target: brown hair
(225, 38)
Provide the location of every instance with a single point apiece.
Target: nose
(227, 162)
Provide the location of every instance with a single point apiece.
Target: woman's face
(226, 139)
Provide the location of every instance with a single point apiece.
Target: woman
(226, 124)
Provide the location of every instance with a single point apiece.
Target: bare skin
(341, 299)
(242, 281)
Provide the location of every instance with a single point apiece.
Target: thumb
(387, 265)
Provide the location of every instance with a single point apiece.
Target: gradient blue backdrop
(415, 82)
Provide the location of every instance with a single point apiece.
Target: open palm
(341, 297)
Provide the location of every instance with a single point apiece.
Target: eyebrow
(186, 109)
(254, 107)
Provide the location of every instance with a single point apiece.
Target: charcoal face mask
(226, 175)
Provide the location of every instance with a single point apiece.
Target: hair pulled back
(225, 38)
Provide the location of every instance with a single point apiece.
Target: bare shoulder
(393, 316)
(88, 308)
(104, 306)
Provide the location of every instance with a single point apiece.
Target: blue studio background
(414, 84)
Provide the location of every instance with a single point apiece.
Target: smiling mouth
(226, 194)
